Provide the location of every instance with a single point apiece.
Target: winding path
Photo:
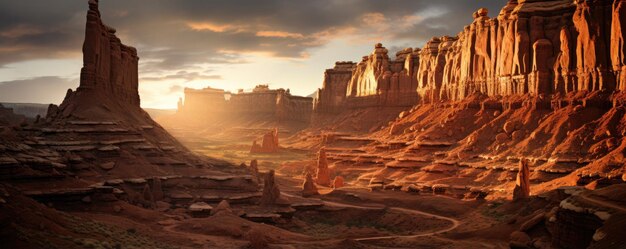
(455, 222)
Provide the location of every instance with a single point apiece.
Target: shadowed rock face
(271, 193)
(530, 47)
(308, 186)
(108, 87)
(108, 65)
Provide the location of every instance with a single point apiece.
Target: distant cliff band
(262, 101)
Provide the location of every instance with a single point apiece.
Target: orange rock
(323, 172)
(270, 143)
(522, 183)
(501, 138)
(338, 182)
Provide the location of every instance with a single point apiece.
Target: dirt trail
(455, 222)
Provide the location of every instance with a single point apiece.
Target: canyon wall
(375, 81)
(536, 47)
(262, 101)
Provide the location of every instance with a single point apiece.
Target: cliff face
(531, 47)
(333, 92)
(109, 66)
(537, 47)
(108, 87)
(375, 81)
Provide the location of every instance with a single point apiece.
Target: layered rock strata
(531, 47)
(109, 66)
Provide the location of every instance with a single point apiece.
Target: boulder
(338, 182)
(519, 240)
(223, 208)
(502, 138)
(510, 126)
(518, 135)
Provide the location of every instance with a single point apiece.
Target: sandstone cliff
(108, 80)
(538, 47)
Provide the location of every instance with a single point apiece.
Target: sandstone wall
(531, 47)
(109, 67)
(332, 95)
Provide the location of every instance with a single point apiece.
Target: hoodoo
(522, 182)
(323, 172)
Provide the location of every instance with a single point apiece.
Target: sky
(228, 44)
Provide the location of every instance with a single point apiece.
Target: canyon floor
(355, 216)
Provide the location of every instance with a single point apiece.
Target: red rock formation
(308, 186)
(271, 193)
(332, 95)
(270, 143)
(532, 47)
(375, 81)
(592, 51)
(338, 182)
(618, 55)
(522, 183)
(323, 173)
(254, 170)
(108, 65)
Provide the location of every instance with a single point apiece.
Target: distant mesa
(271, 104)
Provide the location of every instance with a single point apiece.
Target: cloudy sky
(227, 44)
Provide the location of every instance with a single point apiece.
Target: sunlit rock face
(375, 81)
(538, 47)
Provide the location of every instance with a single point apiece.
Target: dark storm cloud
(173, 35)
